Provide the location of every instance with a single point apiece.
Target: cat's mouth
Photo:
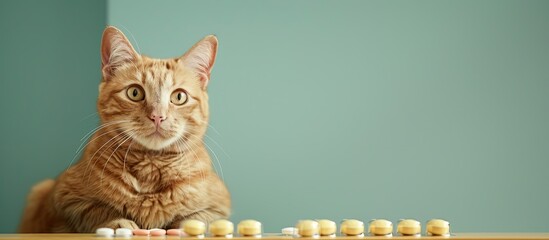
(157, 138)
(158, 133)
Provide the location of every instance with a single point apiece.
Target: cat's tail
(36, 213)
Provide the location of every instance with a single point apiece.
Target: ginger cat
(146, 166)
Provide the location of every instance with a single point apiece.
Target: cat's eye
(179, 97)
(135, 93)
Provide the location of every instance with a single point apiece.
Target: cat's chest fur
(160, 187)
(148, 173)
(147, 176)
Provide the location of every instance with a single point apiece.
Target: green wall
(372, 109)
(49, 73)
(321, 109)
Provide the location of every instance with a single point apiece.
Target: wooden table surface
(455, 236)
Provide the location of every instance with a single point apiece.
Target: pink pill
(141, 232)
(174, 232)
(158, 232)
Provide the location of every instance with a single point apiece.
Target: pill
(289, 231)
(123, 232)
(141, 232)
(193, 227)
(158, 232)
(409, 227)
(438, 227)
(307, 228)
(352, 227)
(249, 227)
(221, 227)
(380, 227)
(104, 232)
(174, 232)
(327, 227)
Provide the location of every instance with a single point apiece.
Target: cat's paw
(122, 223)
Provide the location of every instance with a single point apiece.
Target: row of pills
(126, 232)
(377, 227)
(191, 228)
(222, 228)
(304, 228)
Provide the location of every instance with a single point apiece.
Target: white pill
(123, 232)
(289, 231)
(104, 232)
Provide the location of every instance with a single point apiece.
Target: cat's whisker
(215, 156)
(81, 147)
(219, 172)
(118, 139)
(92, 157)
(202, 174)
(100, 127)
(193, 142)
(210, 125)
(187, 147)
(216, 143)
(89, 116)
(87, 143)
(217, 160)
(125, 157)
(90, 133)
(188, 165)
(108, 159)
(182, 156)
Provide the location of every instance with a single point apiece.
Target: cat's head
(156, 102)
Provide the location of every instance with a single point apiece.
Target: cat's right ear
(116, 51)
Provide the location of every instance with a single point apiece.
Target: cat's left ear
(201, 58)
(116, 51)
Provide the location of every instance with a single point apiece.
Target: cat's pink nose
(157, 119)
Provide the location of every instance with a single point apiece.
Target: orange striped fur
(132, 172)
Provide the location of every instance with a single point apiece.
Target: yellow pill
(249, 228)
(409, 227)
(380, 227)
(221, 227)
(438, 227)
(193, 227)
(352, 227)
(308, 228)
(327, 227)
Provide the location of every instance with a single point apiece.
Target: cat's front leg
(92, 216)
(85, 215)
